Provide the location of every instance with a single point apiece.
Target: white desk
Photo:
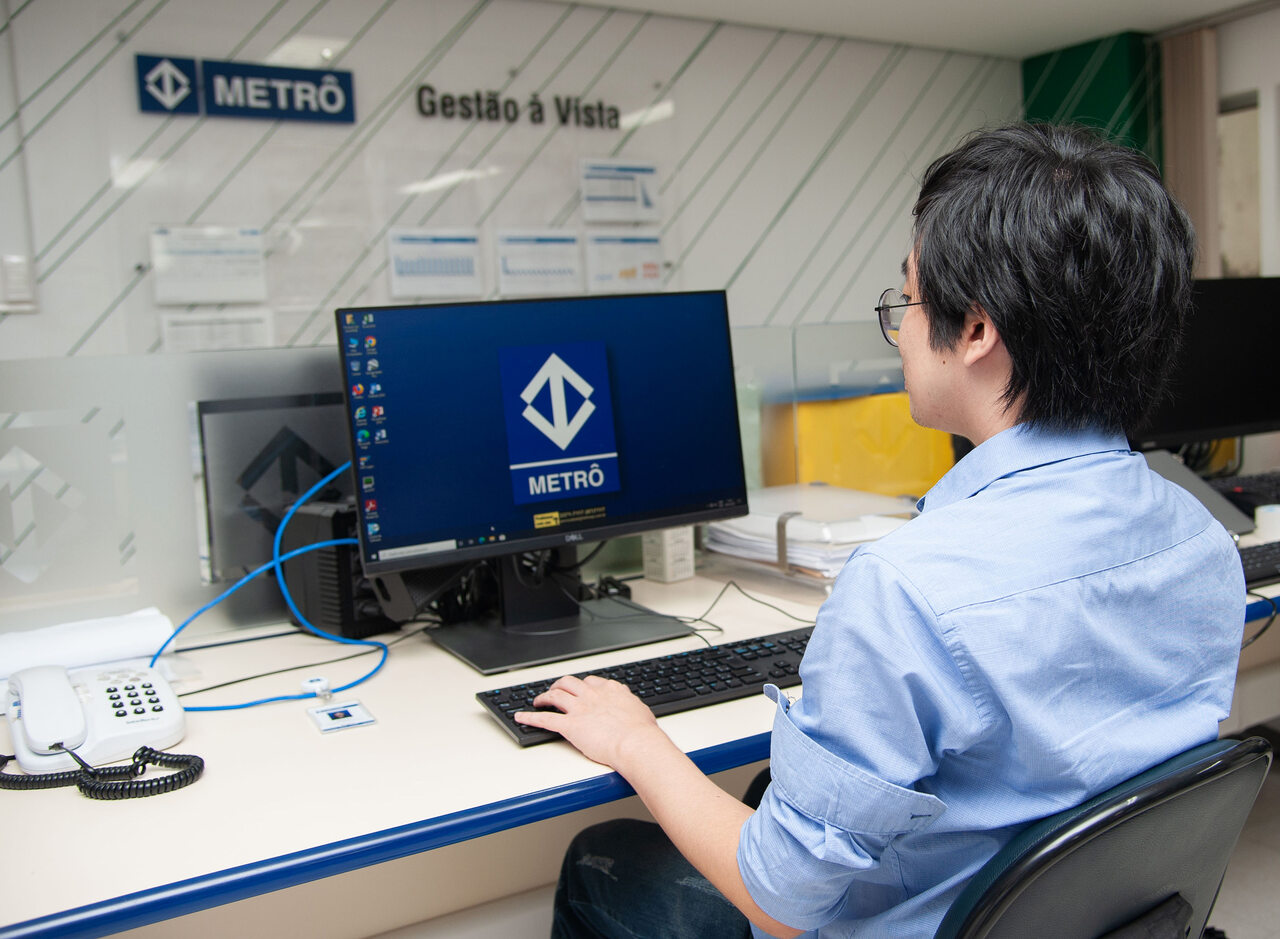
(429, 810)
(281, 804)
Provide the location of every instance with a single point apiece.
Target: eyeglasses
(893, 303)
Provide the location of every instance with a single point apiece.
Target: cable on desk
(735, 585)
(690, 620)
(1275, 608)
(294, 668)
(113, 782)
(276, 564)
(236, 642)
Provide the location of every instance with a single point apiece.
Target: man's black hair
(1079, 255)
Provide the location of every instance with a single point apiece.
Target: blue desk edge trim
(1258, 609)
(239, 883)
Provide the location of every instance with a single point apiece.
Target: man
(1057, 619)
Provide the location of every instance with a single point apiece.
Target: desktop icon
(353, 344)
(375, 389)
(379, 411)
(380, 435)
(361, 412)
(372, 366)
(370, 505)
(362, 436)
(366, 462)
(374, 528)
(357, 391)
(366, 483)
(370, 343)
(367, 320)
(349, 319)
(355, 366)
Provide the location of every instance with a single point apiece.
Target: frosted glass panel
(762, 365)
(842, 360)
(102, 477)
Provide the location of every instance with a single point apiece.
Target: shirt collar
(1021, 447)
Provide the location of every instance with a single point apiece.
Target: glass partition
(157, 480)
(135, 481)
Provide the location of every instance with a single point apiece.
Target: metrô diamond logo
(554, 375)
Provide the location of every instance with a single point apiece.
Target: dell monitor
(1217, 387)
(490, 438)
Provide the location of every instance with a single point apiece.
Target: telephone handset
(104, 714)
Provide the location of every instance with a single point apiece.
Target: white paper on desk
(832, 522)
(85, 642)
(830, 514)
(825, 560)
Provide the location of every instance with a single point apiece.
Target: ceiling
(1014, 29)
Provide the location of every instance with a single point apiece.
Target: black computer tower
(328, 584)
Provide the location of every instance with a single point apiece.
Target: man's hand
(597, 715)
(610, 725)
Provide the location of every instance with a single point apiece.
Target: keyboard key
(1261, 563)
(672, 683)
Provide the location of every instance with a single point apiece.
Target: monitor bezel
(1176, 434)
(589, 533)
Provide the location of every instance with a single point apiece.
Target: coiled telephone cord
(114, 782)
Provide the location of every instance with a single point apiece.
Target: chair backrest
(1120, 856)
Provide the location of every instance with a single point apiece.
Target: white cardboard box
(668, 554)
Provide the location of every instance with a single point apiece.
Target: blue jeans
(624, 879)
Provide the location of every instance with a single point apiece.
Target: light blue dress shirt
(1057, 619)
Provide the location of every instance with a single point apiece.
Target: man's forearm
(700, 818)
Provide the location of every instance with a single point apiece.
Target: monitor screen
(482, 430)
(1214, 391)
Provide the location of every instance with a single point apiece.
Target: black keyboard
(1250, 490)
(1261, 563)
(670, 683)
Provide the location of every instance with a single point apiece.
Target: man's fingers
(547, 720)
(554, 697)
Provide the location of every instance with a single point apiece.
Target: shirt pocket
(829, 789)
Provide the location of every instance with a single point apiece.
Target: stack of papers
(85, 642)
(831, 524)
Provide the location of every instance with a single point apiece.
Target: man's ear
(980, 337)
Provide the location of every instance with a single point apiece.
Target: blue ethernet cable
(277, 559)
(288, 597)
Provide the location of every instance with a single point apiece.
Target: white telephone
(102, 713)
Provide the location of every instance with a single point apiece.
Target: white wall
(787, 166)
(1247, 62)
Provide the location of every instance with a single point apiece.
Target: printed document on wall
(619, 191)
(201, 331)
(208, 264)
(624, 261)
(434, 262)
(543, 261)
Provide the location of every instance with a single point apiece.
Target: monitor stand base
(599, 626)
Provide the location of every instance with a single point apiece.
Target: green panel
(1111, 83)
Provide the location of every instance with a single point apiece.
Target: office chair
(1143, 860)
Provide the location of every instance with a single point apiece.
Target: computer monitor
(486, 434)
(1220, 385)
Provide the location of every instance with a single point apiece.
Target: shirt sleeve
(882, 696)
